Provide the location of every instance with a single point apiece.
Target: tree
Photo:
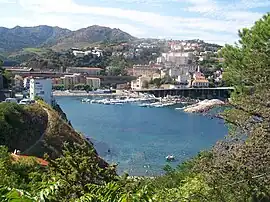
(157, 82)
(239, 169)
(77, 168)
(145, 84)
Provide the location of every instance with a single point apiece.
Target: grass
(38, 51)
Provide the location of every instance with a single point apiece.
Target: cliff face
(36, 129)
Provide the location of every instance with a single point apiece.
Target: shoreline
(64, 94)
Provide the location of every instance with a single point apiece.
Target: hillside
(93, 34)
(35, 130)
(18, 38)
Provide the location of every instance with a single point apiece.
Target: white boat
(86, 100)
(170, 158)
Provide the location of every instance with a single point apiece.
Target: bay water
(138, 139)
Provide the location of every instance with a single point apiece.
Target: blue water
(140, 138)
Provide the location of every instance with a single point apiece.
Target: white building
(26, 82)
(93, 82)
(184, 78)
(42, 88)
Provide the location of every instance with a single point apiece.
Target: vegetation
(19, 38)
(21, 126)
(235, 170)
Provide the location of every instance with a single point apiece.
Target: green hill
(19, 38)
(35, 130)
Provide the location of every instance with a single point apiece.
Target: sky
(214, 21)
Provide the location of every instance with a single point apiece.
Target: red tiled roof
(39, 160)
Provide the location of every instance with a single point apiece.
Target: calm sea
(138, 139)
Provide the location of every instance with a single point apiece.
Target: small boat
(170, 158)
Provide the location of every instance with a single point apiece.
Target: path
(42, 136)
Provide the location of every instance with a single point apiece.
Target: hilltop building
(42, 88)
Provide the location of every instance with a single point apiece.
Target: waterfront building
(200, 83)
(93, 82)
(57, 81)
(69, 81)
(84, 70)
(42, 88)
(199, 80)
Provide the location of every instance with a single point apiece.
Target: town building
(80, 53)
(200, 83)
(26, 82)
(123, 86)
(18, 83)
(84, 70)
(184, 79)
(144, 71)
(40, 87)
(199, 80)
(69, 81)
(57, 81)
(94, 83)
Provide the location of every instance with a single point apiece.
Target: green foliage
(21, 126)
(78, 167)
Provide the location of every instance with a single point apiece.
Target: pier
(221, 93)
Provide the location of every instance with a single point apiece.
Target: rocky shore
(203, 106)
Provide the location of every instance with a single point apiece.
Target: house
(93, 82)
(42, 88)
(78, 53)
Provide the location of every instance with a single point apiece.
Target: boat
(86, 100)
(170, 158)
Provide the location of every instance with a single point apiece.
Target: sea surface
(138, 139)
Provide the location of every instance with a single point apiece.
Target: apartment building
(93, 82)
(42, 88)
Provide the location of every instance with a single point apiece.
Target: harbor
(142, 100)
(138, 137)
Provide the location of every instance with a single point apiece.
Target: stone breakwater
(203, 106)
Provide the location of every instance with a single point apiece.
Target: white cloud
(147, 18)
(220, 28)
(7, 1)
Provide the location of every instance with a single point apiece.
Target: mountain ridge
(17, 38)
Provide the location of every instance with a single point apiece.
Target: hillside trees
(239, 168)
